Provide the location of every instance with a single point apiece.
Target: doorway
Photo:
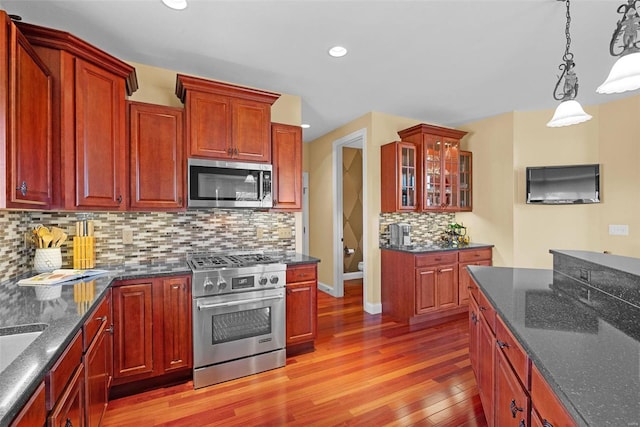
(355, 140)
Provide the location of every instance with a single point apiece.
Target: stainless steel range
(238, 315)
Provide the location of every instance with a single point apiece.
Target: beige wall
(491, 144)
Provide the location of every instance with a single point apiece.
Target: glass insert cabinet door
(408, 178)
(465, 180)
(441, 177)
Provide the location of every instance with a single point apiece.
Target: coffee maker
(400, 234)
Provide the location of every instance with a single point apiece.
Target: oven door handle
(238, 302)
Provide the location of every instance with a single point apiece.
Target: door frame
(357, 139)
(305, 213)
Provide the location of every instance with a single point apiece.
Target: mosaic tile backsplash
(157, 236)
(426, 228)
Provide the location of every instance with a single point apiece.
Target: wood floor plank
(366, 370)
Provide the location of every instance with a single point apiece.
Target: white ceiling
(446, 62)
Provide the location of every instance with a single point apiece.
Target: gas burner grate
(204, 261)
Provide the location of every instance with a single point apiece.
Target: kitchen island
(584, 342)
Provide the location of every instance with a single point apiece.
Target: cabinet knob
(119, 199)
(229, 151)
(68, 423)
(23, 188)
(514, 408)
(101, 319)
(482, 308)
(546, 423)
(235, 150)
(502, 344)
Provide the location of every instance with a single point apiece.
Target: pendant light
(625, 73)
(569, 112)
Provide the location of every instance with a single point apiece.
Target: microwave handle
(266, 185)
(234, 303)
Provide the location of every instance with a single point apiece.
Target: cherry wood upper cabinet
(399, 177)
(89, 120)
(225, 121)
(439, 188)
(25, 106)
(156, 157)
(286, 158)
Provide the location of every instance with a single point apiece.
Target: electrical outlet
(618, 230)
(284, 233)
(259, 232)
(28, 239)
(383, 228)
(127, 237)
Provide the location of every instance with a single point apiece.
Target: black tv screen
(563, 184)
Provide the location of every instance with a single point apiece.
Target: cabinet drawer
(301, 273)
(513, 351)
(439, 258)
(468, 255)
(547, 406)
(99, 316)
(58, 377)
(487, 311)
(473, 287)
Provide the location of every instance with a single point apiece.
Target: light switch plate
(618, 230)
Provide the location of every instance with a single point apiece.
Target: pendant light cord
(568, 55)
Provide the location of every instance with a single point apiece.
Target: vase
(47, 259)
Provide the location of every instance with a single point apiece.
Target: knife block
(84, 252)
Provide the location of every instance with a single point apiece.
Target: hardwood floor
(366, 370)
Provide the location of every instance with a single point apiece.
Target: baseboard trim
(373, 308)
(353, 275)
(326, 289)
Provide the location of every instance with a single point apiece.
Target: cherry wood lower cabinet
(511, 388)
(34, 413)
(426, 287)
(152, 328)
(302, 308)
(97, 360)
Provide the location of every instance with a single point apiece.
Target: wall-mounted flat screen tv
(555, 185)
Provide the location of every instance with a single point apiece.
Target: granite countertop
(589, 355)
(21, 309)
(434, 247)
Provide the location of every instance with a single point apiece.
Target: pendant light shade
(624, 75)
(568, 113)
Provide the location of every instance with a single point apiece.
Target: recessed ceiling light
(337, 51)
(175, 4)
(305, 126)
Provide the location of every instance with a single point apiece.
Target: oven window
(241, 324)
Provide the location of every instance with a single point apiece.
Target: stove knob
(208, 284)
(263, 280)
(222, 284)
(274, 279)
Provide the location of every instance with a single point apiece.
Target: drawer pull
(101, 319)
(68, 423)
(546, 423)
(502, 344)
(482, 308)
(474, 318)
(514, 408)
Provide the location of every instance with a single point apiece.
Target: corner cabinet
(152, 330)
(286, 159)
(25, 105)
(225, 121)
(439, 148)
(89, 127)
(156, 157)
(399, 174)
(302, 308)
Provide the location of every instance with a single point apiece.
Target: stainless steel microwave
(222, 184)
